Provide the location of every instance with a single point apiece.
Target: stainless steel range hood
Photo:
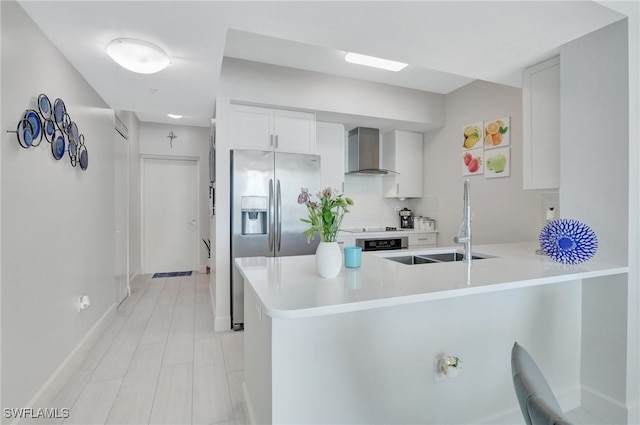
(364, 152)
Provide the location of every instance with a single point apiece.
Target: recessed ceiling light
(137, 55)
(174, 116)
(374, 62)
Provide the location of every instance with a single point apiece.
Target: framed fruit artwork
(497, 163)
(472, 161)
(497, 133)
(471, 136)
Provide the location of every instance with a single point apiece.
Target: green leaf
(503, 130)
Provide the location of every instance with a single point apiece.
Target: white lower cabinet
(417, 240)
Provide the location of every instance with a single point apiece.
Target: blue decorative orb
(568, 241)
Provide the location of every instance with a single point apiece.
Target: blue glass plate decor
(83, 154)
(568, 241)
(58, 145)
(36, 126)
(73, 152)
(59, 111)
(25, 133)
(44, 105)
(49, 130)
(73, 131)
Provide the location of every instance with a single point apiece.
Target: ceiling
(447, 44)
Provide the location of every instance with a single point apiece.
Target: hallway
(160, 362)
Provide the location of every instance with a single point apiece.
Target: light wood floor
(160, 362)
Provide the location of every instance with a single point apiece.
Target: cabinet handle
(276, 141)
(397, 188)
(271, 140)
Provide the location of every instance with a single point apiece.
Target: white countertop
(289, 287)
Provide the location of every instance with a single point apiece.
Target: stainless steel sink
(445, 257)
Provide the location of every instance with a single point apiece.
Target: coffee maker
(406, 219)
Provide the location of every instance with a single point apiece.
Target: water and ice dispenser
(254, 215)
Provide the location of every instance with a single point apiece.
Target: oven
(383, 244)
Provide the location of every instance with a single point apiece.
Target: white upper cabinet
(330, 147)
(541, 125)
(273, 129)
(402, 152)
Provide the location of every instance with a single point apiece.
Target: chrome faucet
(464, 234)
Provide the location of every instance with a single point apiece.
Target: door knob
(193, 223)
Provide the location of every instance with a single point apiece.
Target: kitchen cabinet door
(273, 129)
(402, 152)
(330, 147)
(251, 127)
(295, 131)
(417, 240)
(541, 125)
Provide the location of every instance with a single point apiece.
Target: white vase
(328, 259)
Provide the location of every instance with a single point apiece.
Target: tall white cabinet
(402, 152)
(281, 130)
(541, 125)
(330, 147)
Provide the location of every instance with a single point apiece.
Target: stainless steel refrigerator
(265, 214)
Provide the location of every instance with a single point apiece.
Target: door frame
(119, 138)
(143, 158)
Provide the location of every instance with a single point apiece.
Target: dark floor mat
(171, 274)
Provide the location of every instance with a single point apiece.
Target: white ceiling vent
(121, 128)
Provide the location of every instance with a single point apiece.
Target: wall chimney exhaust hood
(364, 152)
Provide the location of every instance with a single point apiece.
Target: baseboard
(135, 275)
(71, 364)
(505, 417)
(634, 412)
(569, 398)
(222, 324)
(605, 407)
(247, 403)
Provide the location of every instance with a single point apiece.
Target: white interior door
(121, 214)
(170, 215)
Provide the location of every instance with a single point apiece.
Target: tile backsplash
(370, 209)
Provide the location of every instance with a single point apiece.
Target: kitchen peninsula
(360, 348)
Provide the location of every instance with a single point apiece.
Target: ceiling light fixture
(174, 116)
(137, 55)
(374, 62)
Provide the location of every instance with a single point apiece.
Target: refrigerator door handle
(271, 216)
(279, 216)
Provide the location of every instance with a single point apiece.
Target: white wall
(57, 221)
(381, 361)
(292, 88)
(370, 209)
(503, 211)
(595, 132)
(192, 142)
